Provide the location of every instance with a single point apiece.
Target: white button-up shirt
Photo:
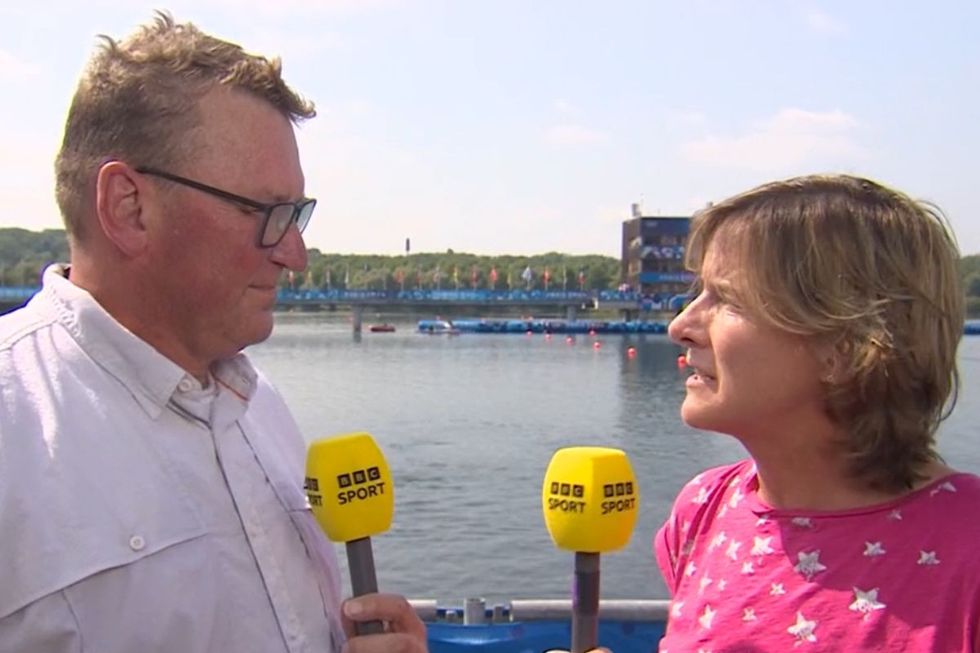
(142, 512)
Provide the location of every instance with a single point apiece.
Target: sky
(524, 127)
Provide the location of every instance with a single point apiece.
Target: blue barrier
(542, 326)
(538, 636)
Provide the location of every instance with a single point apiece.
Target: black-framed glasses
(277, 217)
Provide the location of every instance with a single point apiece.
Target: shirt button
(137, 543)
(185, 385)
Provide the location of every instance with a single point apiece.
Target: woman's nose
(684, 327)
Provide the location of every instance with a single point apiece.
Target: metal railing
(476, 611)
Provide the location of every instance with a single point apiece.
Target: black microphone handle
(360, 563)
(585, 603)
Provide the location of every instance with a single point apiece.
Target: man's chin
(258, 329)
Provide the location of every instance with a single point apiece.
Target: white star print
(803, 522)
(748, 614)
(945, 487)
(705, 581)
(722, 584)
(809, 564)
(895, 515)
(735, 481)
(690, 569)
(697, 479)
(686, 526)
(872, 549)
(747, 568)
(707, 617)
(760, 546)
(928, 558)
(717, 541)
(866, 602)
(761, 521)
(803, 629)
(723, 511)
(776, 589)
(701, 498)
(733, 548)
(736, 499)
(675, 609)
(687, 547)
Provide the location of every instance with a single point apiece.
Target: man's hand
(404, 631)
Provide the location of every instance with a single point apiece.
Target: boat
(438, 327)
(382, 328)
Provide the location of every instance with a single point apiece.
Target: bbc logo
(359, 477)
(617, 489)
(567, 490)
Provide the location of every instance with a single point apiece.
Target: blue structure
(543, 326)
(536, 625)
(538, 636)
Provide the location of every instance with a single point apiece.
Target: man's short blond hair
(137, 102)
(872, 273)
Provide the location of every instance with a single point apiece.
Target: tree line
(24, 253)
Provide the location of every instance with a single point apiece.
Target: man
(150, 479)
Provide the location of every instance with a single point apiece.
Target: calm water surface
(468, 424)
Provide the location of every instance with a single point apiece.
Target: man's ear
(121, 205)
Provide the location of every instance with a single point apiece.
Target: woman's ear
(832, 356)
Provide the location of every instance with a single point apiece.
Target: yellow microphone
(352, 497)
(589, 499)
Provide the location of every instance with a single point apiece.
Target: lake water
(469, 423)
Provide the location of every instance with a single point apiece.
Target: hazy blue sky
(525, 127)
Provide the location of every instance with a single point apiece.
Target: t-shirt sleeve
(665, 550)
(687, 511)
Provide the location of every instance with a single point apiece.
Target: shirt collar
(151, 377)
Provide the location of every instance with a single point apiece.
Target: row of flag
(527, 276)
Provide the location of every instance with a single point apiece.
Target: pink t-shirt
(744, 577)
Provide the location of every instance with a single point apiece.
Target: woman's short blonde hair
(137, 101)
(873, 273)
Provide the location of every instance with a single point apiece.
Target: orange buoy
(570, 340)
(528, 332)
(547, 336)
(631, 352)
(681, 362)
(591, 332)
(596, 344)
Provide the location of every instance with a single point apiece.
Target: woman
(823, 337)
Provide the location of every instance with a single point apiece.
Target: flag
(437, 276)
(292, 280)
(327, 280)
(474, 276)
(400, 277)
(456, 276)
(547, 277)
(493, 277)
(510, 279)
(347, 276)
(418, 278)
(564, 278)
(527, 275)
(581, 279)
(308, 282)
